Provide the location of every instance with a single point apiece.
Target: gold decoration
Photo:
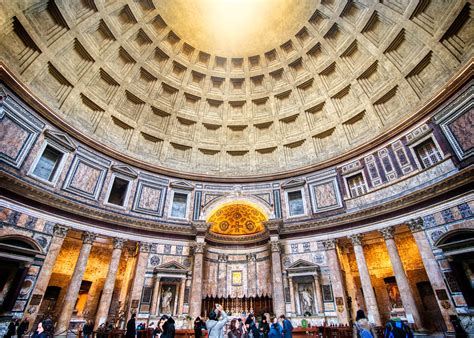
(237, 219)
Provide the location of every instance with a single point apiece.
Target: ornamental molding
(60, 138)
(144, 247)
(329, 244)
(125, 170)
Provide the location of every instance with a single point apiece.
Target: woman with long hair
(235, 330)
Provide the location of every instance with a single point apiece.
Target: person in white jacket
(214, 325)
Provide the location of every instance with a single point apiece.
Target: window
(295, 203)
(180, 201)
(47, 166)
(356, 185)
(118, 192)
(427, 153)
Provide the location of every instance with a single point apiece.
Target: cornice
(459, 79)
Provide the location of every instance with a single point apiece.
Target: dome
(147, 82)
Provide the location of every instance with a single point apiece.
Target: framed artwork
(236, 277)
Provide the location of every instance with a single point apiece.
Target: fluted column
(139, 277)
(252, 275)
(155, 295)
(432, 270)
(369, 294)
(277, 281)
(335, 275)
(319, 295)
(69, 302)
(59, 233)
(196, 287)
(108, 289)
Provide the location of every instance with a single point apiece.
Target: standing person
(362, 326)
(44, 330)
(235, 330)
(287, 327)
(215, 326)
(276, 330)
(87, 329)
(131, 328)
(22, 328)
(198, 327)
(395, 328)
(11, 328)
(251, 327)
(168, 327)
(264, 327)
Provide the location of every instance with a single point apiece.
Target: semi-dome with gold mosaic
(175, 87)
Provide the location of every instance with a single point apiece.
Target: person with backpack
(362, 326)
(396, 328)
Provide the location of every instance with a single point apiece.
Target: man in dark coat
(287, 327)
(131, 328)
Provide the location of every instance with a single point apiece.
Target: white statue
(166, 301)
(307, 300)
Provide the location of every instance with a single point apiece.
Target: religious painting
(327, 293)
(236, 278)
(393, 292)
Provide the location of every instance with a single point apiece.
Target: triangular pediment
(301, 264)
(294, 182)
(125, 170)
(182, 185)
(172, 267)
(61, 138)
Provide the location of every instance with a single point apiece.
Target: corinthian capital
(118, 243)
(60, 230)
(275, 246)
(356, 239)
(388, 232)
(415, 224)
(199, 247)
(88, 237)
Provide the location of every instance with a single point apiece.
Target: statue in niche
(166, 301)
(307, 300)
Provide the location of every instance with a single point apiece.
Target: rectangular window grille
(427, 153)
(356, 185)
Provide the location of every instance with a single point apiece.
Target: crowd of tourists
(215, 327)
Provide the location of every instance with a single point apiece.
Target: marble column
(139, 277)
(277, 281)
(182, 287)
(291, 288)
(432, 270)
(252, 275)
(69, 301)
(109, 284)
(222, 275)
(319, 295)
(59, 233)
(369, 294)
(335, 274)
(196, 287)
(406, 293)
(155, 295)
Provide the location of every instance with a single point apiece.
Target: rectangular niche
(149, 198)
(47, 20)
(86, 175)
(209, 158)
(118, 192)
(237, 159)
